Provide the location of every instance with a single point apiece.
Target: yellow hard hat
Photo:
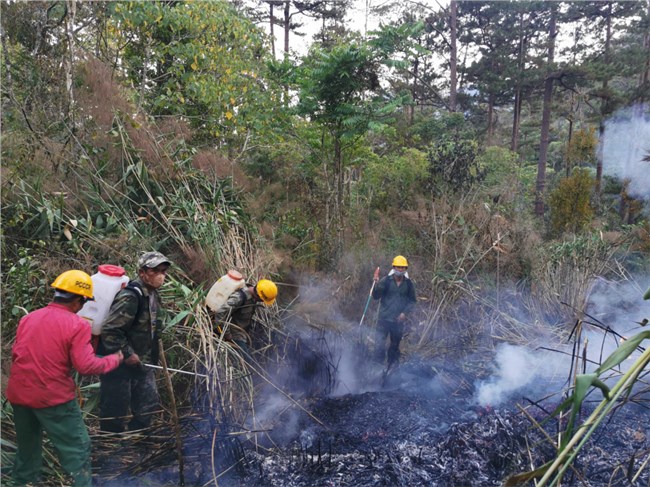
(267, 291)
(75, 282)
(400, 261)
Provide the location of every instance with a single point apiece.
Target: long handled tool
(177, 426)
(175, 370)
(374, 281)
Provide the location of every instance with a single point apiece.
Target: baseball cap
(152, 259)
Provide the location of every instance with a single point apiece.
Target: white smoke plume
(617, 305)
(625, 143)
(515, 368)
(352, 375)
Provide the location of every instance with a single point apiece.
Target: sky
(355, 20)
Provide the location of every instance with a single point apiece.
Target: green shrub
(581, 149)
(394, 180)
(24, 287)
(570, 204)
(498, 163)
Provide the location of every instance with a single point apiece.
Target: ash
(408, 433)
(421, 425)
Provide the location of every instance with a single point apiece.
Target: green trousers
(67, 433)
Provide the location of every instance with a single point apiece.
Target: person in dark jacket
(235, 317)
(49, 343)
(132, 327)
(397, 294)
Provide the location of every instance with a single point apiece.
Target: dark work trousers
(66, 430)
(127, 388)
(394, 330)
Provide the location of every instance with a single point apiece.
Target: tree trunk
(338, 216)
(646, 44)
(69, 59)
(287, 27)
(572, 110)
(365, 23)
(490, 119)
(644, 77)
(328, 205)
(604, 106)
(272, 28)
(453, 55)
(569, 162)
(68, 66)
(546, 117)
(411, 108)
(516, 115)
(5, 55)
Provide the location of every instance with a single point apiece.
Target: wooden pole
(177, 426)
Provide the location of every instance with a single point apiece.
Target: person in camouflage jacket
(235, 317)
(132, 327)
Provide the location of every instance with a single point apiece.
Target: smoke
(331, 359)
(321, 359)
(354, 373)
(515, 368)
(626, 142)
(616, 305)
(619, 304)
(272, 408)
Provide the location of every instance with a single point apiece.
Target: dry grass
(564, 274)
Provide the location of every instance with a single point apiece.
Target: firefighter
(49, 343)
(132, 326)
(397, 294)
(236, 316)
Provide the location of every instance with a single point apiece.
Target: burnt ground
(417, 430)
(419, 427)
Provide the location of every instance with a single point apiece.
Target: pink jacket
(49, 343)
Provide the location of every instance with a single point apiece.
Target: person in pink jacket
(50, 342)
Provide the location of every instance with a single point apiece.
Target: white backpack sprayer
(107, 282)
(223, 288)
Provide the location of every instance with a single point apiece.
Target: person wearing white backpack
(235, 317)
(132, 327)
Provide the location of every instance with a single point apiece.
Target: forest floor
(409, 429)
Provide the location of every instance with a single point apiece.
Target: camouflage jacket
(236, 316)
(121, 332)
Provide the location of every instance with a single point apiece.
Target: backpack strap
(136, 289)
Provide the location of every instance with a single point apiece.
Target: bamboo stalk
(562, 462)
(212, 451)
